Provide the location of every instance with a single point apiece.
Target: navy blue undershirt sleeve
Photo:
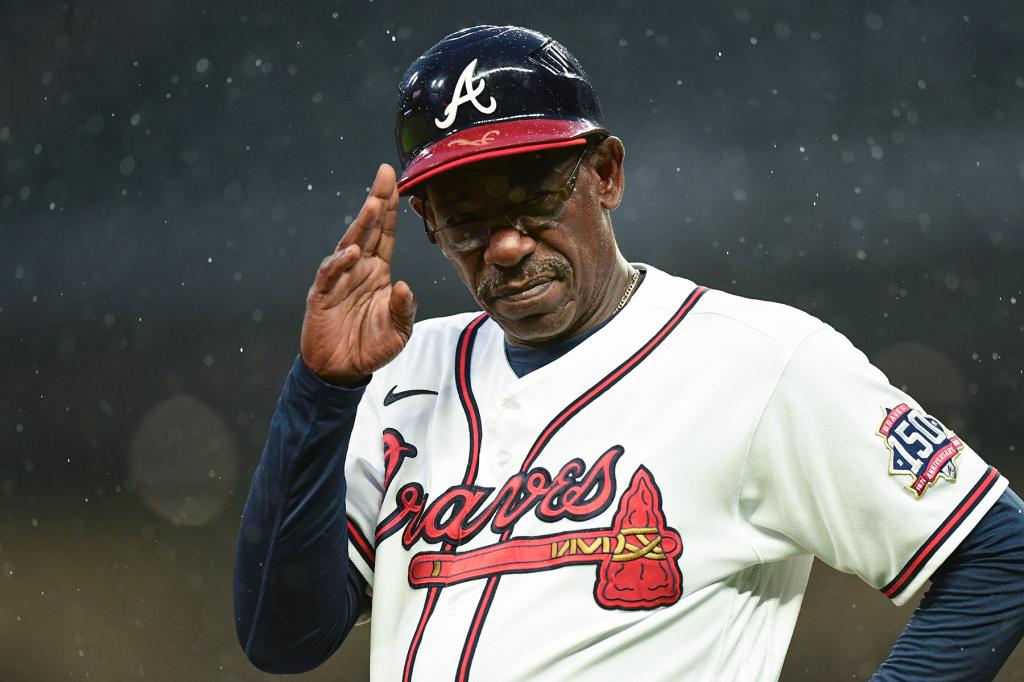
(296, 596)
(972, 616)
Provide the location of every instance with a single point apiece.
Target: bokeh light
(183, 461)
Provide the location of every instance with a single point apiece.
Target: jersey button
(510, 404)
(502, 457)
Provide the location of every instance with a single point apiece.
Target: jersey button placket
(505, 414)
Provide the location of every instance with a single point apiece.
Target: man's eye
(465, 232)
(456, 221)
(540, 206)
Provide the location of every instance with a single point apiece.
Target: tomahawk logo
(465, 91)
(636, 557)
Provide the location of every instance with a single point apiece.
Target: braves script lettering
(636, 557)
(396, 449)
(465, 91)
(458, 514)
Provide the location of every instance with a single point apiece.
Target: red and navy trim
(586, 398)
(464, 387)
(362, 544)
(612, 377)
(927, 550)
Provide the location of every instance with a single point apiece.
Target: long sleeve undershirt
(297, 597)
(972, 616)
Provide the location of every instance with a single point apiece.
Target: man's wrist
(315, 388)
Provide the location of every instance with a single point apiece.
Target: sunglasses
(540, 210)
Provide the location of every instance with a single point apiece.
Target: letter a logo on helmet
(465, 91)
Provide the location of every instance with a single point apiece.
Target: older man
(610, 469)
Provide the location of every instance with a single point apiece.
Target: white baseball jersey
(650, 501)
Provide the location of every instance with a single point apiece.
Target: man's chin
(535, 329)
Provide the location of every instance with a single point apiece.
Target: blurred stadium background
(171, 173)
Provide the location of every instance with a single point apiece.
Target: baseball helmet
(490, 91)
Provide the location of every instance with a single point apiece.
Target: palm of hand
(356, 319)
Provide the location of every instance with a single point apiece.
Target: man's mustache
(546, 266)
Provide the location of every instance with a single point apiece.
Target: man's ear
(607, 164)
(418, 205)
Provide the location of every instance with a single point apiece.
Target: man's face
(543, 285)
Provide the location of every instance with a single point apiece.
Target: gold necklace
(629, 289)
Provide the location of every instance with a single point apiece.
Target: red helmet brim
(492, 140)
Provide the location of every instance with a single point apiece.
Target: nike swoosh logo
(395, 396)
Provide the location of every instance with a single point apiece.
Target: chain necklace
(629, 289)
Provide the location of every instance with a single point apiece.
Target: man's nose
(508, 246)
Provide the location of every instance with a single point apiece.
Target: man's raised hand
(356, 319)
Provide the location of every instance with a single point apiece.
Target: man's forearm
(296, 596)
(972, 617)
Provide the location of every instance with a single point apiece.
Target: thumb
(402, 306)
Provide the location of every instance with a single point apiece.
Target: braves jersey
(649, 501)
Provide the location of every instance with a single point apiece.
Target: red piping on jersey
(952, 522)
(606, 383)
(362, 544)
(472, 637)
(465, 388)
(463, 354)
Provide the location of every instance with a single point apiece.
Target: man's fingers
(365, 229)
(356, 232)
(389, 219)
(332, 267)
(385, 190)
(403, 306)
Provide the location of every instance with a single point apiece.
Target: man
(612, 470)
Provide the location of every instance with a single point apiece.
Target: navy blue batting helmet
(490, 91)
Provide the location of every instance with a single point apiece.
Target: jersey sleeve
(849, 468)
(364, 477)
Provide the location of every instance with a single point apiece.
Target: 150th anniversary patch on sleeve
(920, 447)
